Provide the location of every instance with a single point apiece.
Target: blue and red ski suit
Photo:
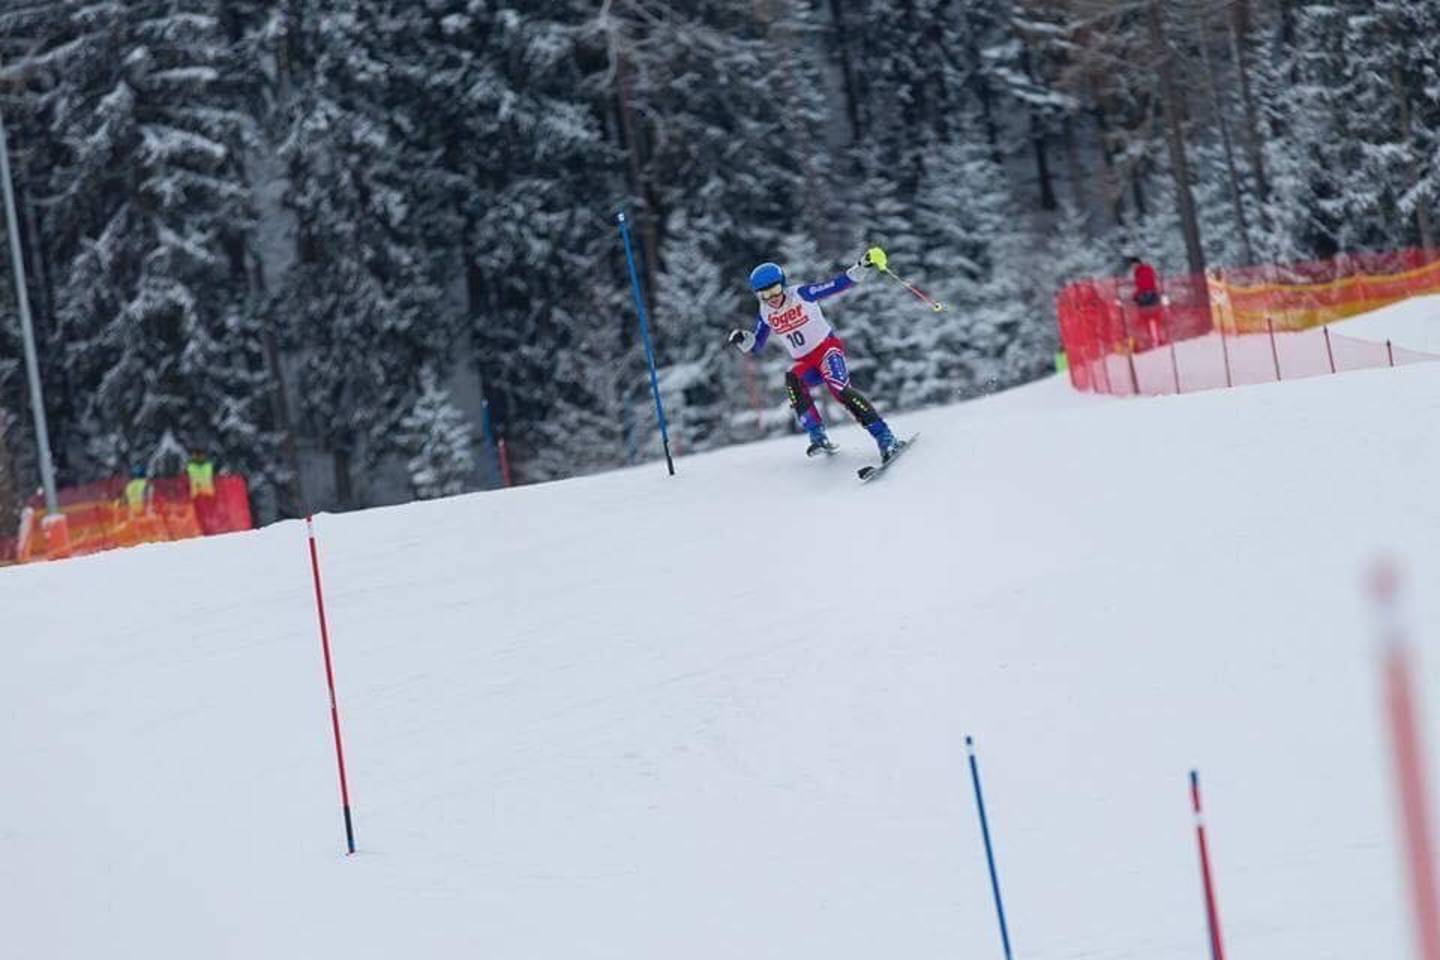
(818, 354)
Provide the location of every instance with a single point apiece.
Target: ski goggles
(774, 290)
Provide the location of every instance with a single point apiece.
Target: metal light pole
(27, 332)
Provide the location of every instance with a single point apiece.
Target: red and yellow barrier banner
(1109, 337)
(99, 516)
(1301, 296)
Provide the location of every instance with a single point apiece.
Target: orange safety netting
(98, 517)
(1302, 295)
(1236, 327)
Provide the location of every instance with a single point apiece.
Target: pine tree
(439, 441)
(150, 213)
(364, 304)
(697, 306)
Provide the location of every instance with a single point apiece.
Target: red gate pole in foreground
(1402, 711)
(330, 681)
(1212, 913)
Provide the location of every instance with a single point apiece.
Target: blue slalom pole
(989, 851)
(645, 336)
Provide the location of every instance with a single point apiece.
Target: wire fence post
(1274, 350)
(645, 338)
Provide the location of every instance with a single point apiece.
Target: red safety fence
(1251, 325)
(98, 516)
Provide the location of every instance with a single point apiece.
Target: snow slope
(722, 715)
(1413, 324)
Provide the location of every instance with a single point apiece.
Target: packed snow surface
(722, 715)
(1413, 324)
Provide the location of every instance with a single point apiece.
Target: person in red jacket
(1147, 288)
(1147, 299)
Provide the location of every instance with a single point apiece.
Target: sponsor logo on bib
(788, 319)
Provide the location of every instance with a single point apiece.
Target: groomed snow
(723, 715)
(1413, 324)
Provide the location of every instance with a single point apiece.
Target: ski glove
(874, 259)
(742, 340)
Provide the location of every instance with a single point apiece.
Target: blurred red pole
(1402, 712)
(1174, 360)
(504, 453)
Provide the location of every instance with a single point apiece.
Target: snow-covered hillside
(723, 715)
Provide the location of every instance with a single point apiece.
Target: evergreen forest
(354, 248)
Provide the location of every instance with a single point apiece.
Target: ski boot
(887, 443)
(820, 443)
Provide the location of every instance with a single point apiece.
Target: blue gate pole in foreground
(645, 336)
(989, 851)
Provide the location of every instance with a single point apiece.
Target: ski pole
(915, 291)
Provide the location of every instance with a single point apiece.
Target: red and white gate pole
(330, 682)
(1212, 912)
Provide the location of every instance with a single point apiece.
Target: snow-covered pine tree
(439, 441)
(1321, 206)
(995, 332)
(534, 182)
(885, 330)
(363, 304)
(148, 216)
(1391, 48)
(697, 306)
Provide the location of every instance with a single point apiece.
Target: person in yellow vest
(137, 492)
(202, 489)
(202, 475)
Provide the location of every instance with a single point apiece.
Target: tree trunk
(1073, 165)
(1237, 202)
(1239, 48)
(847, 71)
(644, 217)
(1175, 139)
(1037, 138)
(1417, 172)
(1042, 165)
(9, 491)
(344, 483)
(1110, 187)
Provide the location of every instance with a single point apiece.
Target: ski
(871, 471)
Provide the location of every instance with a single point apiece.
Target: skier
(794, 314)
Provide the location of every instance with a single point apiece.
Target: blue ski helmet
(766, 275)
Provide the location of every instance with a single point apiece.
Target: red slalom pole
(1212, 913)
(1402, 712)
(330, 681)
